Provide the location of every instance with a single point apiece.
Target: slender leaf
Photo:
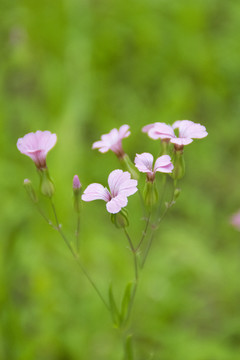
(128, 355)
(126, 301)
(113, 308)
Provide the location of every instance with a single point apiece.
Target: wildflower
(144, 163)
(235, 220)
(121, 186)
(113, 141)
(187, 131)
(36, 146)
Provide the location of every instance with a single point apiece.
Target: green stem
(134, 254)
(156, 226)
(77, 231)
(76, 257)
(144, 233)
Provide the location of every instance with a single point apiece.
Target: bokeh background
(80, 68)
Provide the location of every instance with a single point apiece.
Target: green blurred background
(80, 68)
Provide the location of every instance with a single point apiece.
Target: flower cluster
(121, 185)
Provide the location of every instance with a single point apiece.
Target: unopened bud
(30, 190)
(46, 184)
(120, 220)
(128, 165)
(179, 165)
(76, 183)
(77, 187)
(176, 193)
(150, 193)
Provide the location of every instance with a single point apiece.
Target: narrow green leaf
(128, 348)
(113, 307)
(126, 301)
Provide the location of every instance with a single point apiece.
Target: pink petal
(181, 141)
(124, 131)
(188, 129)
(194, 131)
(161, 131)
(163, 164)
(116, 204)
(96, 192)
(101, 145)
(179, 123)
(121, 183)
(116, 177)
(146, 128)
(144, 162)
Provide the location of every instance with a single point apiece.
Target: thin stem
(77, 231)
(76, 257)
(44, 216)
(134, 254)
(144, 232)
(156, 225)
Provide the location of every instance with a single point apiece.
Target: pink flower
(121, 186)
(187, 131)
(113, 141)
(144, 163)
(235, 220)
(36, 146)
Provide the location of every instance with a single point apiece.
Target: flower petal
(181, 141)
(163, 164)
(121, 182)
(161, 131)
(124, 131)
(144, 162)
(96, 192)
(116, 204)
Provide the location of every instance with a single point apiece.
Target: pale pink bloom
(36, 146)
(113, 141)
(121, 186)
(187, 131)
(144, 163)
(235, 220)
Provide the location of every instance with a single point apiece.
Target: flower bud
(77, 187)
(150, 193)
(179, 165)
(46, 184)
(120, 220)
(176, 193)
(128, 165)
(30, 190)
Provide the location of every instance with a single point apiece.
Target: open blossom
(121, 186)
(235, 220)
(113, 141)
(144, 163)
(187, 131)
(36, 146)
